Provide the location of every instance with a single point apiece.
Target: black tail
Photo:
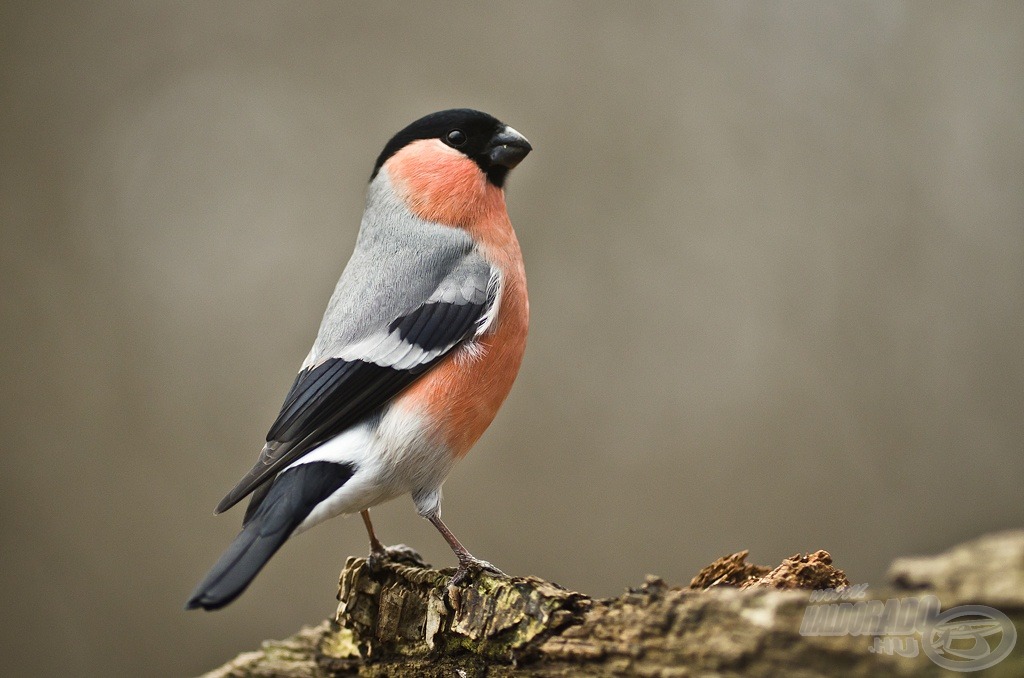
(293, 495)
(243, 560)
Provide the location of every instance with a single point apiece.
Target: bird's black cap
(490, 143)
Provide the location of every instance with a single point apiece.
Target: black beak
(508, 148)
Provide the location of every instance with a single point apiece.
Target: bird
(418, 348)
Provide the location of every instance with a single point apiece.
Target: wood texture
(400, 621)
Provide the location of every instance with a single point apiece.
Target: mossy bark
(400, 621)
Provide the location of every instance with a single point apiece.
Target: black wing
(331, 396)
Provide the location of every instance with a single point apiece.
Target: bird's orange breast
(462, 394)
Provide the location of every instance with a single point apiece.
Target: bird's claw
(467, 566)
(399, 553)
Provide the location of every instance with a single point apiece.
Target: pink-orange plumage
(463, 393)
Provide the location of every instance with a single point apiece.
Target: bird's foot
(399, 553)
(471, 564)
(468, 565)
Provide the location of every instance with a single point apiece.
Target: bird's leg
(377, 550)
(467, 561)
(379, 553)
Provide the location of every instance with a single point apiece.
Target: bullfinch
(419, 345)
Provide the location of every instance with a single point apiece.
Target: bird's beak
(508, 148)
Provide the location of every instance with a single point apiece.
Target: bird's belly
(392, 456)
(460, 397)
(408, 457)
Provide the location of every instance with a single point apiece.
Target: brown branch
(398, 621)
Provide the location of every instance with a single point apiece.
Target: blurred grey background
(775, 254)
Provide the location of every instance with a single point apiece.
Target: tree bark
(738, 620)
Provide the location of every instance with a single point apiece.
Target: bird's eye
(455, 138)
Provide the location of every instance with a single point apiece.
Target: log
(735, 619)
